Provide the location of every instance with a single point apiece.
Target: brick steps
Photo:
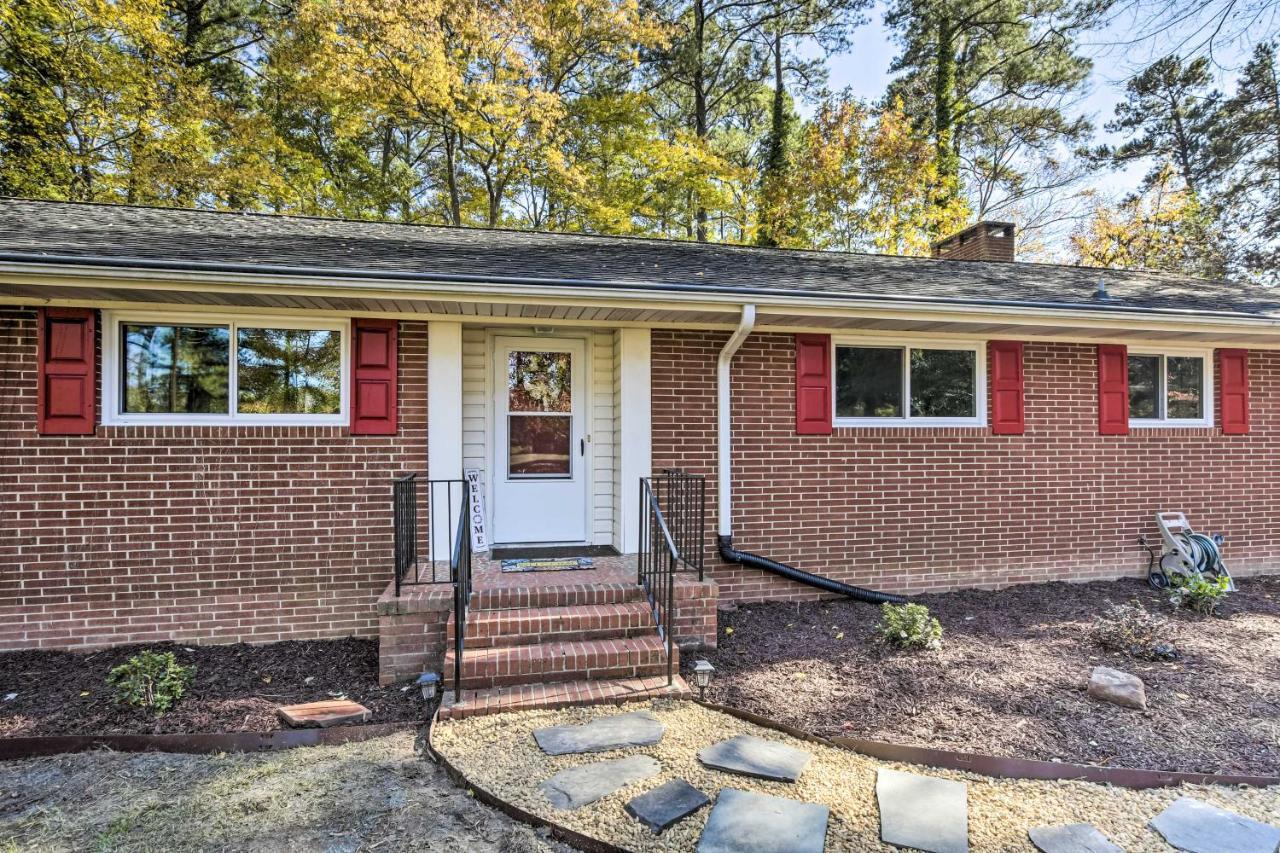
(528, 697)
(569, 595)
(622, 657)
(488, 629)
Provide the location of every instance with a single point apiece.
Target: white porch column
(444, 422)
(635, 445)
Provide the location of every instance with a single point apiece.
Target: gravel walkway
(498, 753)
(376, 795)
(1010, 677)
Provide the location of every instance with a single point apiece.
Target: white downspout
(724, 419)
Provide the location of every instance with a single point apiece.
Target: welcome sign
(479, 536)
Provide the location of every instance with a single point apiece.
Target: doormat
(548, 564)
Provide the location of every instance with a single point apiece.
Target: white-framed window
(909, 383)
(1170, 387)
(164, 368)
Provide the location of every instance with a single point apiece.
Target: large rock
(581, 786)
(744, 822)
(1197, 827)
(923, 812)
(640, 728)
(755, 756)
(1072, 838)
(1119, 688)
(667, 804)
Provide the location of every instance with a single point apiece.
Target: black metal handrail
(683, 499)
(460, 572)
(404, 523)
(656, 562)
(418, 558)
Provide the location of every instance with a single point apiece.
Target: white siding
(617, 441)
(602, 437)
(602, 420)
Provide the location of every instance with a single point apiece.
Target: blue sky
(1117, 53)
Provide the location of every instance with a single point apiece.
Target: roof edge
(90, 262)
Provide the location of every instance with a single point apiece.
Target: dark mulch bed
(236, 688)
(1011, 675)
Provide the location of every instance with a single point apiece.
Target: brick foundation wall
(194, 534)
(412, 632)
(914, 510)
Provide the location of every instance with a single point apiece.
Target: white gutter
(724, 419)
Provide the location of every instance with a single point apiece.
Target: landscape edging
(197, 743)
(561, 833)
(1008, 768)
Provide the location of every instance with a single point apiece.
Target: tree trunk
(775, 162)
(944, 89)
(451, 176)
(700, 101)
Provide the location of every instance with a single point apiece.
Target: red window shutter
(373, 377)
(1113, 389)
(1233, 390)
(1008, 389)
(65, 383)
(813, 384)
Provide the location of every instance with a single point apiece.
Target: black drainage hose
(755, 561)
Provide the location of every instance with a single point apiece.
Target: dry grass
(377, 795)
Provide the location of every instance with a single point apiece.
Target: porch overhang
(56, 282)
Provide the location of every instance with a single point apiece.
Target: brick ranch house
(202, 415)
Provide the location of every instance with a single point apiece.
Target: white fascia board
(621, 296)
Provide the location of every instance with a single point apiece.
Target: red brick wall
(913, 510)
(213, 534)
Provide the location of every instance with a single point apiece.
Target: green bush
(909, 626)
(1198, 593)
(1135, 631)
(151, 680)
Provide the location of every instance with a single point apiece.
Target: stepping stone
(667, 804)
(581, 786)
(743, 822)
(602, 734)
(330, 712)
(755, 756)
(1072, 838)
(923, 812)
(1197, 827)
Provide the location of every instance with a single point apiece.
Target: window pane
(1144, 386)
(288, 371)
(868, 382)
(1186, 385)
(538, 445)
(178, 369)
(943, 383)
(539, 382)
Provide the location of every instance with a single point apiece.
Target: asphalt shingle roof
(31, 231)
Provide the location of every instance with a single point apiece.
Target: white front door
(540, 462)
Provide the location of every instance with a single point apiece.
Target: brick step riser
(528, 697)
(519, 598)
(512, 670)
(481, 682)
(485, 630)
(534, 636)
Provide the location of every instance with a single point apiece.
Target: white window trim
(906, 345)
(1206, 390)
(112, 352)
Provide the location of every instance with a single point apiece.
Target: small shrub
(151, 680)
(1198, 593)
(1135, 631)
(909, 626)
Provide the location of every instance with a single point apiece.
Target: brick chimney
(985, 241)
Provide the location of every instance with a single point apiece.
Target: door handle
(582, 447)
